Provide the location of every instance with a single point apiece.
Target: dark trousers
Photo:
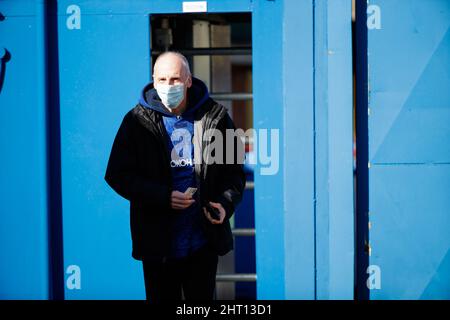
(195, 275)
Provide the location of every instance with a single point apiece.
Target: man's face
(169, 70)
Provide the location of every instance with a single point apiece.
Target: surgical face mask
(171, 95)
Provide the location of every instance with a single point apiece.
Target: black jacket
(138, 170)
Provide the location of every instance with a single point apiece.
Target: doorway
(218, 47)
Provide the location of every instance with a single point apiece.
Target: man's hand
(219, 207)
(180, 201)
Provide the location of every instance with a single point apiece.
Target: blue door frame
(303, 86)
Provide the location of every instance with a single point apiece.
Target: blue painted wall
(268, 114)
(102, 61)
(304, 236)
(409, 153)
(102, 69)
(333, 149)
(23, 157)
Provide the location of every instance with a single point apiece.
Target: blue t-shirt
(188, 234)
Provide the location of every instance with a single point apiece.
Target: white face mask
(171, 95)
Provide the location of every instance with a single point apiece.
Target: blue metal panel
(340, 148)
(285, 205)
(298, 149)
(409, 126)
(103, 66)
(145, 7)
(269, 114)
(321, 154)
(286, 250)
(409, 96)
(409, 235)
(11, 8)
(23, 183)
(333, 150)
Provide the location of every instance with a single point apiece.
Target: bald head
(174, 61)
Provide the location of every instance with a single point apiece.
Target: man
(157, 157)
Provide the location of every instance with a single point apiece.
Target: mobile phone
(214, 212)
(190, 191)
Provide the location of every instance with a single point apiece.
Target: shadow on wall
(5, 56)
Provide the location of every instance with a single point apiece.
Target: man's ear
(189, 82)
